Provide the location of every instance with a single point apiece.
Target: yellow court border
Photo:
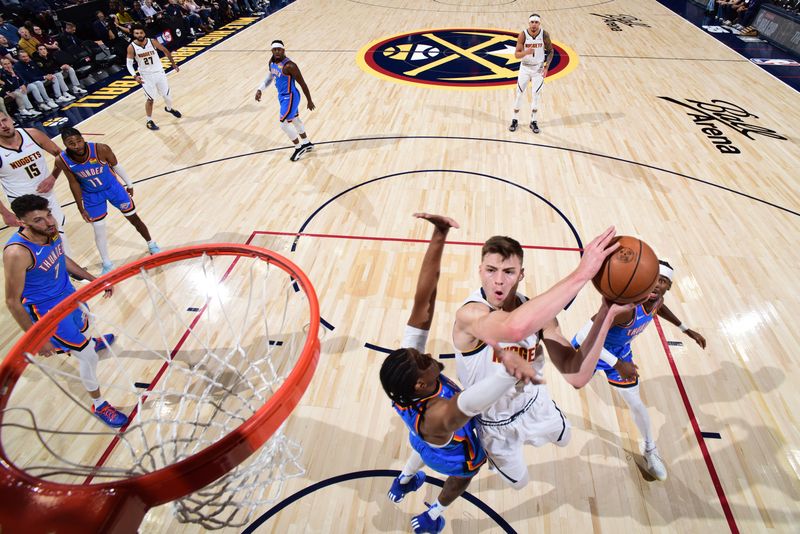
(362, 64)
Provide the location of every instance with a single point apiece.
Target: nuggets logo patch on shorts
(455, 58)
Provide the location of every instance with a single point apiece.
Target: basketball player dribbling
(616, 360)
(535, 52)
(285, 73)
(496, 316)
(151, 73)
(439, 416)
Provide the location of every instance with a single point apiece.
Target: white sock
(436, 510)
(87, 366)
(412, 467)
(640, 415)
(168, 102)
(149, 118)
(98, 402)
(101, 240)
(533, 114)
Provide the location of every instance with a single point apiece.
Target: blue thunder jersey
(462, 456)
(619, 338)
(93, 174)
(48, 278)
(284, 83)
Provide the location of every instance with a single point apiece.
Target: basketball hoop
(211, 413)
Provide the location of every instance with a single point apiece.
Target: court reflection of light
(208, 284)
(740, 328)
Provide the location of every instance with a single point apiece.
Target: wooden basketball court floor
(610, 152)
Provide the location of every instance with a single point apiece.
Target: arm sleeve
(266, 83)
(122, 174)
(484, 393)
(129, 64)
(606, 356)
(414, 338)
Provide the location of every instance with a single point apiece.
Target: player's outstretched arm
(8, 216)
(166, 52)
(533, 315)
(445, 416)
(46, 143)
(79, 272)
(667, 315)
(428, 279)
(578, 365)
(548, 50)
(74, 187)
(107, 155)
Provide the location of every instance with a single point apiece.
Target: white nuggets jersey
(22, 170)
(147, 58)
(478, 363)
(537, 58)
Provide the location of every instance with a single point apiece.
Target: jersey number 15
(33, 171)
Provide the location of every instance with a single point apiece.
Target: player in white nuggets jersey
(24, 170)
(496, 316)
(151, 72)
(535, 52)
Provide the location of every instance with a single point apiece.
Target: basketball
(630, 273)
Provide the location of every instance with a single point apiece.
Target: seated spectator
(27, 42)
(9, 31)
(49, 64)
(106, 31)
(151, 10)
(24, 107)
(44, 38)
(17, 88)
(33, 77)
(6, 50)
(123, 17)
(193, 9)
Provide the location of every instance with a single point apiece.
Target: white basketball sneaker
(655, 466)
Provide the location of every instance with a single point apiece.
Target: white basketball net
(243, 330)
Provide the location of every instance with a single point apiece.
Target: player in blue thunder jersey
(438, 415)
(286, 74)
(36, 279)
(616, 359)
(92, 170)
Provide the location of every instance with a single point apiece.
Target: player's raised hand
(596, 252)
(311, 106)
(441, 222)
(517, 366)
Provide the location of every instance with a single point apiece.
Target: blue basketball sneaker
(153, 248)
(423, 524)
(110, 415)
(398, 491)
(103, 342)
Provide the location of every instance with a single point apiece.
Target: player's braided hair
(399, 374)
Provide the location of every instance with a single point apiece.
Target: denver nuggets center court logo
(455, 58)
